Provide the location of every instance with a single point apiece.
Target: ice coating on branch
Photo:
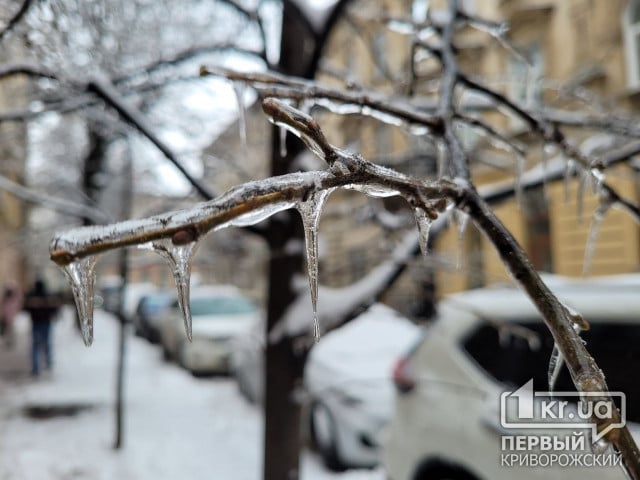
(556, 362)
(600, 446)
(424, 222)
(296, 122)
(257, 215)
(374, 190)
(594, 231)
(179, 257)
(310, 210)
(66, 246)
(401, 26)
(239, 88)
(498, 30)
(342, 108)
(82, 276)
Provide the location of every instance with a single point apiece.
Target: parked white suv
(485, 342)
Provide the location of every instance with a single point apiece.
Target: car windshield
(514, 359)
(202, 306)
(154, 303)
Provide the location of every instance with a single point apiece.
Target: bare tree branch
(17, 68)
(13, 21)
(53, 203)
(104, 89)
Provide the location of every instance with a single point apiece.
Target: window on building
(631, 29)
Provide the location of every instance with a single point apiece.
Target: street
(61, 424)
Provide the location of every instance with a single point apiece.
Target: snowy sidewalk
(177, 426)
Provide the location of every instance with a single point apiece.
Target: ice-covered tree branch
(175, 234)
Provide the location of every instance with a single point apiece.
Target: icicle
(547, 152)
(594, 230)
(306, 105)
(580, 197)
(556, 362)
(419, 11)
(598, 180)
(179, 255)
(310, 210)
(462, 220)
(442, 159)
(308, 140)
(568, 173)
(82, 275)
(238, 88)
(600, 446)
(578, 322)
(424, 221)
(283, 142)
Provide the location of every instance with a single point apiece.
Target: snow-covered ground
(177, 426)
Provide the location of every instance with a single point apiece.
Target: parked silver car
(348, 378)
(220, 313)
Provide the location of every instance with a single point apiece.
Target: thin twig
(13, 21)
(105, 90)
(53, 203)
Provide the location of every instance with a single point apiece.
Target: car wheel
(181, 357)
(440, 470)
(323, 433)
(243, 386)
(166, 354)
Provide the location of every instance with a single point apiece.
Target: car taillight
(404, 376)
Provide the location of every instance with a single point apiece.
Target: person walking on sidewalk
(43, 307)
(10, 305)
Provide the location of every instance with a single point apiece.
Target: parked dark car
(148, 313)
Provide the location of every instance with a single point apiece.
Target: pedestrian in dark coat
(43, 307)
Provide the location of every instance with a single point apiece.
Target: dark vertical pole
(283, 365)
(122, 339)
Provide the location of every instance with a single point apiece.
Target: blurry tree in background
(397, 83)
